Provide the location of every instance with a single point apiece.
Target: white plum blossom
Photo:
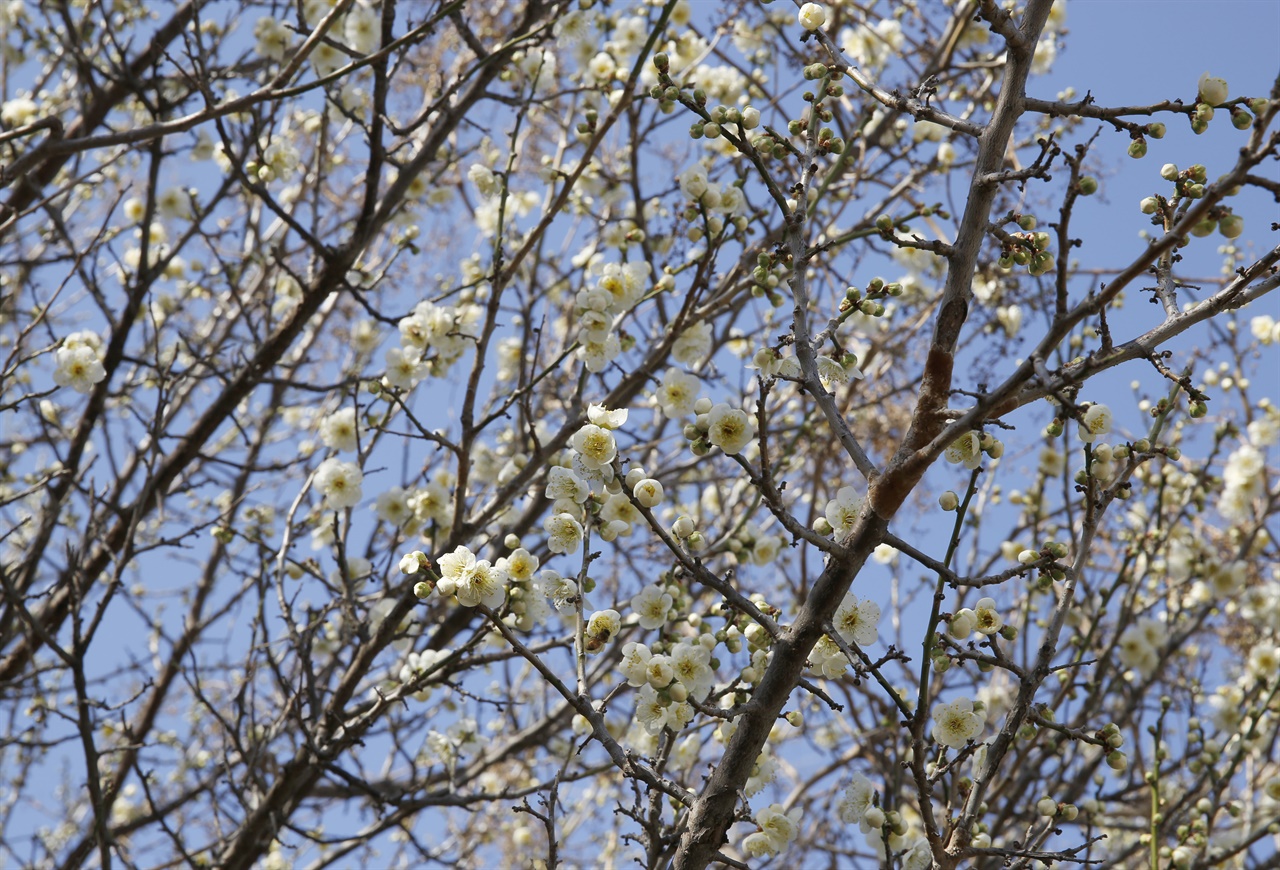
(564, 485)
(779, 828)
(362, 28)
(693, 344)
(78, 367)
(272, 38)
(677, 393)
(564, 533)
(560, 591)
(393, 506)
(859, 796)
(340, 483)
(986, 618)
(601, 416)
(405, 369)
(635, 663)
(486, 181)
(595, 445)
(729, 428)
(1212, 90)
(857, 621)
(812, 16)
(842, 511)
(955, 724)
(474, 581)
(692, 663)
(601, 627)
(338, 430)
(652, 604)
(966, 450)
(1096, 421)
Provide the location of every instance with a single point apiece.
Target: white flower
(560, 591)
(858, 798)
(564, 533)
(759, 845)
(648, 492)
(651, 710)
(603, 625)
(338, 430)
(18, 112)
(520, 565)
(966, 449)
(652, 604)
(1264, 662)
(780, 827)
(474, 581)
(812, 16)
(362, 28)
(404, 369)
(987, 619)
(693, 344)
(842, 511)
(692, 663)
(856, 622)
(955, 724)
(635, 663)
(601, 416)
(563, 484)
(273, 38)
(78, 367)
(1212, 90)
(1096, 421)
(831, 373)
(693, 181)
(393, 506)
(340, 483)
(729, 428)
(678, 393)
(595, 445)
(485, 180)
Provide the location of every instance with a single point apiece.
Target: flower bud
(1156, 130)
(949, 501)
(1231, 226)
(1169, 172)
(1138, 148)
(422, 590)
(1149, 205)
(1088, 185)
(812, 16)
(1212, 90)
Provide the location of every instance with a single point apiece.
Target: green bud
(1088, 185)
(662, 61)
(1197, 173)
(1156, 130)
(1240, 119)
(1231, 226)
(884, 223)
(1138, 148)
(1198, 410)
(422, 590)
(1204, 228)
